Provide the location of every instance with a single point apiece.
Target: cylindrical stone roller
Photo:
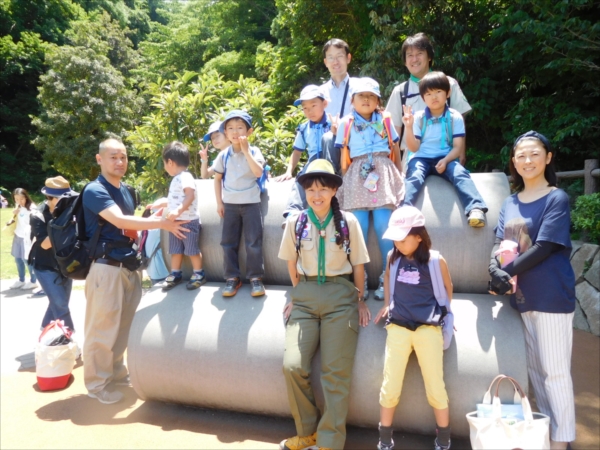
(198, 348)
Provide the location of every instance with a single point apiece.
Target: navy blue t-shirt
(96, 198)
(414, 298)
(550, 285)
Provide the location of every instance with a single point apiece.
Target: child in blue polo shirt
(238, 203)
(218, 140)
(314, 137)
(436, 136)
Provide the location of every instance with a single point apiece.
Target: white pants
(549, 341)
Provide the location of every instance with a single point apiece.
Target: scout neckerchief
(321, 227)
(415, 79)
(445, 121)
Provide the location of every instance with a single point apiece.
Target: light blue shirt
(335, 96)
(364, 139)
(435, 142)
(309, 135)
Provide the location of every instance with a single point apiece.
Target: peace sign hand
(408, 117)
(203, 152)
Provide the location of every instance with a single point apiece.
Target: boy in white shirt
(182, 204)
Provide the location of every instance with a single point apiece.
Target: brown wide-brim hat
(56, 186)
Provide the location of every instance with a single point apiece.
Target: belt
(108, 262)
(330, 279)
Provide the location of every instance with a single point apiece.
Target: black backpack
(73, 251)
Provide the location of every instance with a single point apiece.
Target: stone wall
(585, 259)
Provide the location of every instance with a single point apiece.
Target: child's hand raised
(408, 118)
(203, 152)
(244, 145)
(335, 121)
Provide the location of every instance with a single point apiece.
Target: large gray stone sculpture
(198, 348)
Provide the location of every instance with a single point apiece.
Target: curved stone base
(198, 348)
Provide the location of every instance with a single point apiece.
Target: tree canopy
(75, 71)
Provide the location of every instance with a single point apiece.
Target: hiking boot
(441, 447)
(107, 397)
(298, 443)
(231, 287)
(17, 285)
(195, 282)
(171, 281)
(258, 288)
(382, 446)
(476, 218)
(378, 294)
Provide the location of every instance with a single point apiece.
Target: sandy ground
(68, 418)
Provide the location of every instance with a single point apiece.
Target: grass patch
(8, 267)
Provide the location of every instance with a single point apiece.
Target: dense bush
(586, 216)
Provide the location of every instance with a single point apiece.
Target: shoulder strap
(135, 195)
(345, 159)
(225, 159)
(345, 236)
(387, 124)
(437, 281)
(449, 128)
(301, 222)
(403, 97)
(344, 98)
(392, 274)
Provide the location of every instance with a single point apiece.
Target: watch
(361, 299)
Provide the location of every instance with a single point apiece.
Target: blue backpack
(261, 181)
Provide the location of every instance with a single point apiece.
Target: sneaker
(17, 285)
(195, 282)
(231, 287)
(382, 446)
(298, 443)
(378, 294)
(29, 285)
(366, 290)
(125, 381)
(441, 447)
(107, 397)
(476, 218)
(171, 281)
(258, 288)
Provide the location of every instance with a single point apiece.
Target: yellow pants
(428, 343)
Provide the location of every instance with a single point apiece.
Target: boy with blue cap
(218, 140)
(313, 136)
(237, 169)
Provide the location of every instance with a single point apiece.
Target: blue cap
(366, 84)
(236, 114)
(213, 127)
(310, 92)
(534, 134)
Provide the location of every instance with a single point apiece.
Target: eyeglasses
(336, 58)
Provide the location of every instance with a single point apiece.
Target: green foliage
(205, 35)
(84, 100)
(586, 216)
(182, 109)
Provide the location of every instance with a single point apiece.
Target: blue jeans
(420, 168)
(58, 296)
(381, 217)
(21, 263)
(249, 217)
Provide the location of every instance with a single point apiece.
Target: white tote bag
(498, 433)
(508, 410)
